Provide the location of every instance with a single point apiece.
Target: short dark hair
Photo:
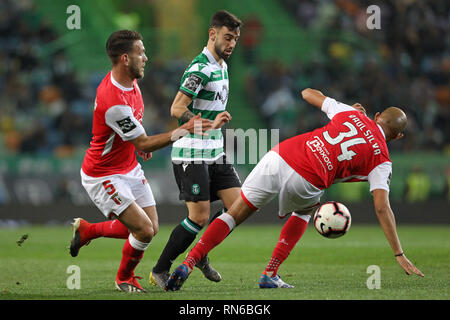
(224, 18)
(121, 42)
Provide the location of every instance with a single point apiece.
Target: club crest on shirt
(126, 125)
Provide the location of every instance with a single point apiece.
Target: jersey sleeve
(332, 107)
(380, 176)
(120, 118)
(194, 79)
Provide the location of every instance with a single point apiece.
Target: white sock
(138, 245)
(305, 217)
(228, 219)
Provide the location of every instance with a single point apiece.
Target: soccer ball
(332, 219)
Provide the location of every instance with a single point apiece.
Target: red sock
(130, 259)
(290, 234)
(108, 229)
(216, 232)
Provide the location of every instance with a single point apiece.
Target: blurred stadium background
(49, 75)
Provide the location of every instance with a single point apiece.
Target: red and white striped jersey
(117, 118)
(351, 147)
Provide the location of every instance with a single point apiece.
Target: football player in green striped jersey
(201, 170)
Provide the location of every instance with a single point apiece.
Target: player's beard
(220, 52)
(135, 71)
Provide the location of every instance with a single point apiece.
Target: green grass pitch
(319, 268)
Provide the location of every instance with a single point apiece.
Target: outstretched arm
(314, 97)
(152, 143)
(317, 98)
(387, 222)
(179, 110)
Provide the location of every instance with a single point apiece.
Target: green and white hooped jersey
(206, 81)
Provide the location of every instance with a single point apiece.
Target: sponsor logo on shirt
(222, 95)
(318, 148)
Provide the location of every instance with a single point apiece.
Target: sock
(108, 229)
(132, 253)
(216, 232)
(218, 213)
(292, 231)
(180, 239)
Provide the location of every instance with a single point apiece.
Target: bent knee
(155, 229)
(199, 214)
(146, 232)
(200, 218)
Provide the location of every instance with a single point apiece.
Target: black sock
(180, 239)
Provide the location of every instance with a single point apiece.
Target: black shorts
(201, 181)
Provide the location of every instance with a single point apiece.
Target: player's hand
(197, 125)
(221, 119)
(360, 108)
(408, 266)
(144, 155)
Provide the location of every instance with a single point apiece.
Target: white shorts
(272, 176)
(115, 193)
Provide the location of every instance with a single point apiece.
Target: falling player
(110, 172)
(351, 147)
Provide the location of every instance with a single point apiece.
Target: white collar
(118, 85)
(382, 132)
(210, 56)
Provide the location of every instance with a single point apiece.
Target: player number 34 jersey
(351, 147)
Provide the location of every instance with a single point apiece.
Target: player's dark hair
(224, 18)
(121, 42)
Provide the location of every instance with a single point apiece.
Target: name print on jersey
(367, 133)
